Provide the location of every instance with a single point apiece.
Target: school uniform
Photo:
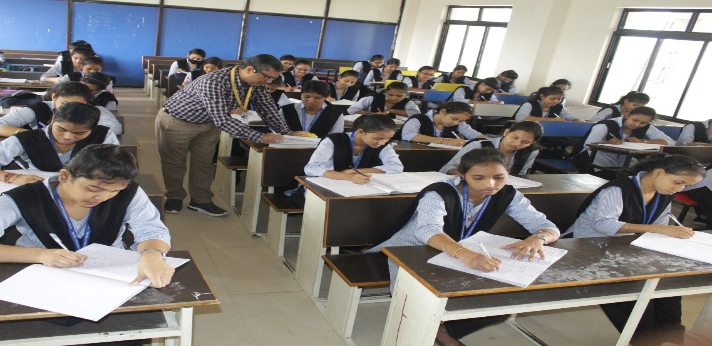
(423, 124)
(36, 148)
(412, 82)
(327, 120)
(467, 93)
(289, 79)
(507, 87)
(699, 131)
(533, 108)
(376, 75)
(535, 96)
(105, 99)
(32, 209)
(185, 65)
(351, 93)
(519, 163)
(193, 75)
(280, 98)
(378, 101)
(59, 69)
(335, 153)
(362, 67)
(445, 78)
(602, 214)
(30, 116)
(77, 77)
(608, 112)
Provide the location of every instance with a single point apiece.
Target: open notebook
(91, 291)
(296, 142)
(698, 248)
(12, 80)
(521, 183)
(381, 184)
(512, 271)
(635, 146)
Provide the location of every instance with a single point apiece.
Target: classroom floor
(261, 303)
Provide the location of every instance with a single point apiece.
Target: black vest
(291, 81)
(632, 201)
(74, 76)
(453, 205)
(366, 67)
(426, 127)
(349, 94)
(377, 76)
(276, 95)
(42, 214)
(343, 153)
(66, 64)
(43, 114)
(183, 63)
(505, 86)
(328, 117)
(103, 98)
(458, 80)
(379, 102)
(701, 132)
(428, 84)
(583, 160)
(537, 111)
(520, 157)
(40, 151)
(195, 74)
(470, 93)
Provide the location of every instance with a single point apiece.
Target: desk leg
(702, 329)
(310, 265)
(626, 163)
(184, 317)
(637, 312)
(414, 314)
(253, 191)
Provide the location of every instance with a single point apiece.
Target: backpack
(20, 98)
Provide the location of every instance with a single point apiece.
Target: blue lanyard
(70, 227)
(435, 129)
(342, 94)
(647, 219)
(352, 150)
(622, 134)
(51, 140)
(466, 233)
(304, 118)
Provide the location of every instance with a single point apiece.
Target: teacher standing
(191, 121)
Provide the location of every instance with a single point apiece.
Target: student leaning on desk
(482, 92)
(545, 107)
(91, 201)
(441, 125)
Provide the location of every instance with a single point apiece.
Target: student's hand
(360, 179)
(634, 140)
(500, 102)
(530, 246)
(675, 231)
(61, 258)
(454, 141)
(271, 138)
(238, 111)
(23, 179)
(180, 70)
(478, 261)
(613, 141)
(579, 121)
(152, 266)
(330, 99)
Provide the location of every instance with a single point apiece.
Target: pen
(482, 247)
(675, 219)
(356, 170)
(379, 110)
(56, 239)
(456, 136)
(19, 163)
(612, 135)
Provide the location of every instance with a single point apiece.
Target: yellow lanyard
(237, 95)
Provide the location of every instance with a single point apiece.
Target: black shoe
(207, 208)
(173, 206)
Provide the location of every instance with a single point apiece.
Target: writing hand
(360, 179)
(613, 141)
(23, 179)
(676, 231)
(454, 141)
(330, 99)
(61, 258)
(152, 267)
(531, 246)
(478, 261)
(635, 140)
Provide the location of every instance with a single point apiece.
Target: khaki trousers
(177, 138)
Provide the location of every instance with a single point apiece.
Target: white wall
(235, 5)
(306, 8)
(373, 10)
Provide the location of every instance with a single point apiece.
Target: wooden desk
(629, 154)
(153, 313)
(330, 221)
(594, 271)
(31, 84)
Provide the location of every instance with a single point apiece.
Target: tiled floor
(261, 303)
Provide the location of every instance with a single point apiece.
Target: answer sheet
(296, 142)
(635, 146)
(698, 248)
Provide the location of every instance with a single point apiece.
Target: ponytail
(671, 164)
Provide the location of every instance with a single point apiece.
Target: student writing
(482, 92)
(99, 83)
(388, 72)
(457, 76)
(697, 133)
(65, 56)
(450, 211)
(506, 80)
(564, 84)
(637, 204)
(299, 75)
(344, 88)
(422, 80)
(622, 107)
(518, 144)
(440, 125)
(313, 114)
(92, 201)
(375, 62)
(546, 107)
(210, 65)
(356, 155)
(392, 101)
(193, 62)
(77, 58)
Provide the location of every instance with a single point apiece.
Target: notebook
(635, 146)
(381, 184)
(521, 183)
(698, 248)
(12, 80)
(444, 146)
(296, 142)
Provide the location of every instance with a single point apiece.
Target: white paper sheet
(12, 80)
(521, 183)
(296, 142)
(698, 248)
(635, 146)
(444, 146)
(512, 271)
(382, 184)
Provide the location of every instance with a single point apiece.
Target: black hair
(533, 127)
(397, 86)
(197, 51)
(79, 43)
(350, 73)
(550, 90)
(78, 113)
(93, 60)
(561, 81)
(490, 82)
(72, 89)
(634, 96)
(317, 87)
(455, 107)
(302, 62)
(213, 61)
(97, 78)
(426, 68)
(376, 57)
(642, 110)
(671, 164)
(87, 52)
(393, 61)
(370, 123)
(276, 81)
(288, 57)
(263, 62)
(103, 162)
(510, 74)
(460, 67)
(482, 156)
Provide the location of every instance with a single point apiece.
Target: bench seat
(280, 207)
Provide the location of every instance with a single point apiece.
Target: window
(472, 36)
(663, 53)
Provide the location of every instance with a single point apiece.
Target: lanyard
(70, 227)
(237, 95)
(647, 219)
(467, 232)
(360, 156)
(304, 118)
(435, 129)
(339, 97)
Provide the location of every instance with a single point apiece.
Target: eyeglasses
(267, 77)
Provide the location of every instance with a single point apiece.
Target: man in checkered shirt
(191, 121)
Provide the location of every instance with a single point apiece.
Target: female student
(210, 65)
(98, 84)
(356, 155)
(564, 84)
(77, 58)
(278, 95)
(287, 61)
(697, 133)
(638, 204)
(456, 77)
(313, 114)
(422, 80)
(388, 72)
(65, 56)
(506, 80)
(89, 64)
(393, 101)
(482, 92)
(39, 115)
(623, 107)
(440, 125)
(375, 62)
(546, 107)
(73, 127)
(518, 144)
(344, 88)
(298, 76)
(193, 62)
(90, 202)
(702, 194)
(447, 212)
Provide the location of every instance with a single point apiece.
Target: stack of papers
(6, 187)
(12, 80)
(296, 142)
(635, 146)
(381, 184)
(698, 248)
(512, 271)
(444, 146)
(521, 183)
(91, 291)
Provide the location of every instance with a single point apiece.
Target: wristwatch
(163, 254)
(540, 236)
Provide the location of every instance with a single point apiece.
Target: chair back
(446, 86)
(436, 96)
(565, 128)
(512, 99)
(671, 131)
